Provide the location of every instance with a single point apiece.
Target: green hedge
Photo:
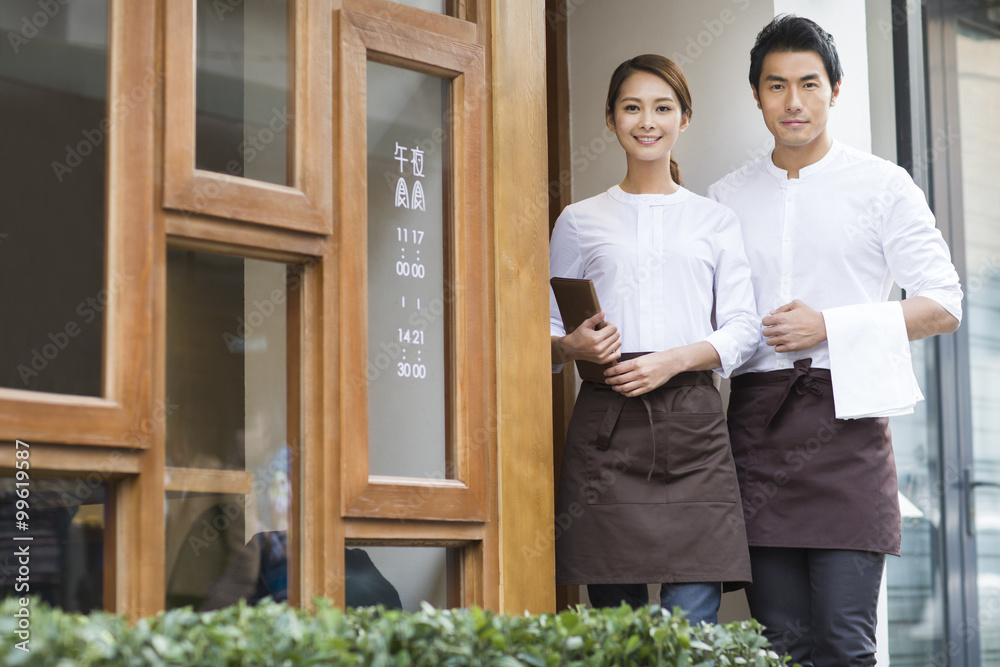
(271, 634)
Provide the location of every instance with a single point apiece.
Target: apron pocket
(621, 472)
(699, 463)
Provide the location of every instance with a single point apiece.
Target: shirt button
(781, 364)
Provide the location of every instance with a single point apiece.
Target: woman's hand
(594, 340)
(642, 374)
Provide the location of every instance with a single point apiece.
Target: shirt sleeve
(915, 251)
(565, 261)
(737, 333)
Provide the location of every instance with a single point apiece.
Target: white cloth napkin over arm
(870, 363)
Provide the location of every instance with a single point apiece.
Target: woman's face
(647, 117)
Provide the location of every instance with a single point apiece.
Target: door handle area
(971, 484)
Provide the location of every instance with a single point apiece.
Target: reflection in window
(409, 303)
(66, 525)
(54, 127)
(402, 577)
(242, 89)
(915, 581)
(228, 455)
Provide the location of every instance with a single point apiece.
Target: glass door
(963, 65)
(977, 58)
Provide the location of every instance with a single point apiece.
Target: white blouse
(836, 236)
(665, 267)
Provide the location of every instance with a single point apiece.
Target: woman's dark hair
(794, 33)
(666, 69)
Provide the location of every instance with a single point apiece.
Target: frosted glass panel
(409, 302)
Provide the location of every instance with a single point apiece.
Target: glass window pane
(401, 577)
(438, 6)
(53, 127)
(230, 465)
(408, 272)
(65, 521)
(978, 99)
(242, 89)
(915, 581)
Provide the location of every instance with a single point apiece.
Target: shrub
(271, 634)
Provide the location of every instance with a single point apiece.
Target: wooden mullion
(409, 18)
(420, 50)
(110, 552)
(196, 232)
(412, 532)
(67, 460)
(293, 410)
(557, 89)
(415, 501)
(351, 265)
(471, 574)
(526, 505)
(59, 418)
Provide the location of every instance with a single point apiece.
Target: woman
(648, 477)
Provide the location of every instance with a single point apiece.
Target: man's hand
(642, 374)
(794, 326)
(590, 343)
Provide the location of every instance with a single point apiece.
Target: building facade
(273, 284)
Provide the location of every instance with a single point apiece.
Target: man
(827, 229)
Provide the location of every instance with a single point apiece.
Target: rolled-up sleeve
(738, 332)
(915, 251)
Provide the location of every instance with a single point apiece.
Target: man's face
(795, 95)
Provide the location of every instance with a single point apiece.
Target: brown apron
(648, 490)
(810, 480)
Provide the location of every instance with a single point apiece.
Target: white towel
(870, 361)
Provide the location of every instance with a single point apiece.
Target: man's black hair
(794, 33)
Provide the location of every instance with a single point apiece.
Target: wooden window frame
(304, 330)
(507, 438)
(306, 205)
(121, 415)
(404, 43)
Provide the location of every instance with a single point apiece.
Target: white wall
(881, 78)
(846, 20)
(711, 41)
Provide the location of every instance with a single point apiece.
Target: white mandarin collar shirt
(663, 266)
(838, 235)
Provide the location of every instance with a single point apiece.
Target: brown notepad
(577, 301)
